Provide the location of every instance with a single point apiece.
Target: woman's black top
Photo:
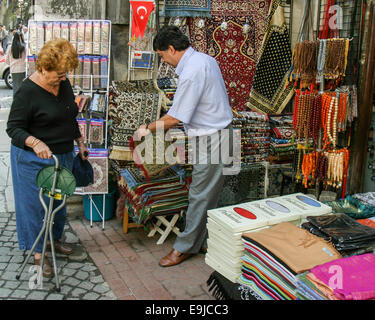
(39, 113)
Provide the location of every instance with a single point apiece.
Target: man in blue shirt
(201, 104)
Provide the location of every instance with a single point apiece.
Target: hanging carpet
(235, 51)
(131, 104)
(269, 92)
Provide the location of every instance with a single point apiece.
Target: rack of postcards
(90, 83)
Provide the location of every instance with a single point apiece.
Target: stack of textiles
(349, 278)
(347, 235)
(274, 257)
(226, 225)
(365, 202)
(164, 195)
(282, 146)
(168, 86)
(352, 207)
(255, 135)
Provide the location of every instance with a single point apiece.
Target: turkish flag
(141, 13)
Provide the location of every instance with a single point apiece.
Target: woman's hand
(42, 150)
(83, 151)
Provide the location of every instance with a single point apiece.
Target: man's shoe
(47, 268)
(174, 257)
(61, 248)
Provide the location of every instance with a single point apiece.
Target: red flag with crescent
(141, 13)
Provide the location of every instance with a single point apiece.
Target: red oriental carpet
(235, 52)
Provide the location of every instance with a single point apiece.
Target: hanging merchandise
(236, 52)
(270, 92)
(96, 131)
(141, 13)
(98, 159)
(187, 8)
(141, 102)
(82, 125)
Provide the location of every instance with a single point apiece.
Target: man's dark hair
(171, 36)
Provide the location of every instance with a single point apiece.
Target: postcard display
(226, 226)
(90, 82)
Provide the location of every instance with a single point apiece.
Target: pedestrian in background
(42, 121)
(16, 59)
(4, 37)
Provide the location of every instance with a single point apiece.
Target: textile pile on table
(255, 135)
(275, 256)
(165, 194)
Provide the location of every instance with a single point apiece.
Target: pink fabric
(351, 278)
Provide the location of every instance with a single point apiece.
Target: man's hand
(141, 132)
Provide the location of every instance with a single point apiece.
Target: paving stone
(55, 296)
(89, 267)
(5, 293)
(101, 288)
(91, 296)
(86, 285)
(37, 295)
(72, 282)
(82, 275)
(20, 294)
(78, 292)
(5, 258)
(68, 272)
(97, 279)
(9, 275)
(74, 265)
(17, 259)
(11, 284)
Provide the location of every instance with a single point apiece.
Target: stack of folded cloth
(347, 235)
(275, 256)
(225, 227)
(255, 135)
(282, 146)
(349, 278)
(169, 86)
(162, 195)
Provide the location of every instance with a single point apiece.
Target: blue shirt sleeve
(186, 99)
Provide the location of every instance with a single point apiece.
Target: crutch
(57, 183)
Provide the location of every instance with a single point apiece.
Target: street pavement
(106, 263)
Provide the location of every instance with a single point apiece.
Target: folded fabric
(350, 278)
(345, 232)
(296, 247)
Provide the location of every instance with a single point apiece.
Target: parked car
(5, 73)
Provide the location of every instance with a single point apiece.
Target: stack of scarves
(349, 278)
(349, 236)
(353, 207)
(282, 145)
(166, 194)
(365, 202)
(255, 135)
(275, 256)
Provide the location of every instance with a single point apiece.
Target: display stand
(90, 83)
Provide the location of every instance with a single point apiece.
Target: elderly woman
(42, 122)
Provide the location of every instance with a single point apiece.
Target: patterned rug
(186, 8)
(132, 103)
(269, 93)
(235, 52)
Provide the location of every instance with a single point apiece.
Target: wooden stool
(169, 227)
(125, 222)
